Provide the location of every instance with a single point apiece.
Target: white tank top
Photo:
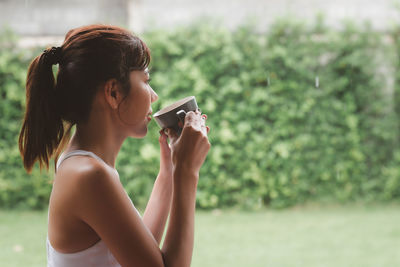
(97, 255)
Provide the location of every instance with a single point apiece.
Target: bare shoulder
(84, 168)
(98, 198)
(81, 178)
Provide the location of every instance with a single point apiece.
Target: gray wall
(172, 12)
(47, 17)
(55, 18)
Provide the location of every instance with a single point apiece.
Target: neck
(100, 137)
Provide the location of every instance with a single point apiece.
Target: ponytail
(89, 56)
(42, 129)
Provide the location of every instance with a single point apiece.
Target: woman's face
(135, 109)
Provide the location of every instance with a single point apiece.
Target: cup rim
(173, 105)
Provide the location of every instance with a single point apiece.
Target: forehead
(139, 74)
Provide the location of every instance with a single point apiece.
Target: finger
(208, 129)
(204, 129)
(190, 117)
(172, 135)
(163, 137)
(194, 119)
(163, 140)
(203, 119)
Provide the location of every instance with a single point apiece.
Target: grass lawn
(304, 236)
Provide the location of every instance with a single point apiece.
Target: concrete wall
(56, 17)
(168, 13)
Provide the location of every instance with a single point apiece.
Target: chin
(139, 133)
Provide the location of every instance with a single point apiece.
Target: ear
(112, 93)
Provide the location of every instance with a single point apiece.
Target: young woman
(102, 88)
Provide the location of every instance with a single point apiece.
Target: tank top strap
(78, 153)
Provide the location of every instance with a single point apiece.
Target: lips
(149, 115)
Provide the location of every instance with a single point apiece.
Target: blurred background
(303, 102)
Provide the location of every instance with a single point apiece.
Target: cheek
(133, 109)
(127, 112)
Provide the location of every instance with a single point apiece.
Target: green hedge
(16, 187)
(277, 138)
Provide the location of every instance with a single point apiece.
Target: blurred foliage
(16, 187)
(298, 113)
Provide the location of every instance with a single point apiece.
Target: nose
(154, 96)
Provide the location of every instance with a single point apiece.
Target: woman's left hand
(165, 154)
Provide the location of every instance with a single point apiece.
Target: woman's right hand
(190, 149)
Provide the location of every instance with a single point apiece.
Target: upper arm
(102, 203)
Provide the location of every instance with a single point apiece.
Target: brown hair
(89, 56)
